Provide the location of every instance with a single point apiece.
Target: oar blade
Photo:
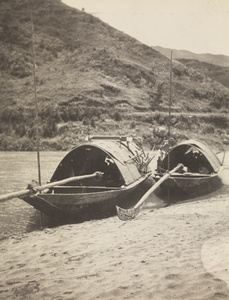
(127, 214)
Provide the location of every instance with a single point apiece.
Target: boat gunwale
(188, 176)
(115, 189)
(108, 188)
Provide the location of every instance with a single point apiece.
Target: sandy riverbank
(177, 252)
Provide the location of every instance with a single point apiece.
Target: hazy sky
(200, 26)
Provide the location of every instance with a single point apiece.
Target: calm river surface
(17, 169)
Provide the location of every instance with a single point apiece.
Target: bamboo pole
(35, 96)
(35, 189)
(170, 104)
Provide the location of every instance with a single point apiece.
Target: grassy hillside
(214, 66)
(217, 73)
(94, 79)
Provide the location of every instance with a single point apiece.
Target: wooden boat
(121, 171)
(200, 174)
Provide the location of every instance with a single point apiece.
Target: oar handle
(17, 194)
(67, 180)
(34, 189)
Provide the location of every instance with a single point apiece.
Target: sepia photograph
(114, 149)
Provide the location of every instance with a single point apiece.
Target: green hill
(94, 79)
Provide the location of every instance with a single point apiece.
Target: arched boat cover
(118, 152)
(204, 149)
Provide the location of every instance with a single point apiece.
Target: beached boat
(200, 174)
(107, 171)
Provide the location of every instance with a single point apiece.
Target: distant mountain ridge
(215, 59)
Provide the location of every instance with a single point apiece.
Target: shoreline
(167, 253)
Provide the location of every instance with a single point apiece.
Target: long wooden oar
(33, 189)
(128, 214)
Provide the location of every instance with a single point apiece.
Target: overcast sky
(200, 26)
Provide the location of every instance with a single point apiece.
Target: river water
(17, 169)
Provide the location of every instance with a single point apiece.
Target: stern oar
(128, 214)
(32, 189)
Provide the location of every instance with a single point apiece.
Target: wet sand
(176, 252)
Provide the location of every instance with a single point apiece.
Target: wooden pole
(36, 105)
(35, 96)
(39, 188)
(170, 104)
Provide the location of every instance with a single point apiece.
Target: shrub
(209, 129)
(117, 116)
(93, 123)
(20, 129)
(86, 121)
(217, 121)
(4, 142)
(50, 111)
(26, 144)
(49, 128)
(132, 125)
(221, 101)
(12, 114)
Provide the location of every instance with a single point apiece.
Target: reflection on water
(17, 169)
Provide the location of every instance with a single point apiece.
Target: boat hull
(191, 186)
(81, 206)
(199, 175)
